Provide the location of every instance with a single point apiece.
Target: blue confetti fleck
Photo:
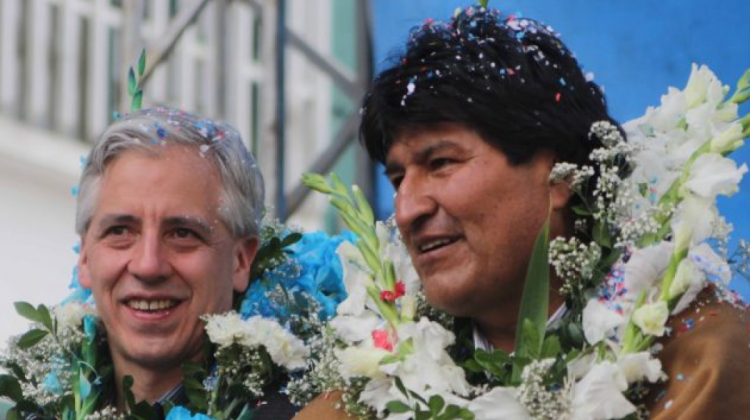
(74, 191)
(680, 377)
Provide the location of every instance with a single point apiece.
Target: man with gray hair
(168, 211)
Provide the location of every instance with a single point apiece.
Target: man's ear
(84, 275)
(560, 194)
(244, 255)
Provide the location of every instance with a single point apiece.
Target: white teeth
(434, 244)
(152, 305)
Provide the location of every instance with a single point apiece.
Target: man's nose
(414, 202)
(150, 262)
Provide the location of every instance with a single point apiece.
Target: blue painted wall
(635, 48)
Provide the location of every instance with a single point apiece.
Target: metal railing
(262, 65)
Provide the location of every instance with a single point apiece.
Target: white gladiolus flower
(686, 274)
(706, 263)
(429, 369)
(702, 86)
(651, 318)
(599, 321)
(729, 140)
(713, 174)
(639, 366)
(598, 396)
(361, 361)
(355, 280)
(354, 329)
(498, 404)
(693, 221)
(704, 257)
(394, 250)
(644, 269)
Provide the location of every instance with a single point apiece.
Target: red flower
(381, 340)
(391, 296)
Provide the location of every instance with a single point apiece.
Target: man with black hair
(469, 123)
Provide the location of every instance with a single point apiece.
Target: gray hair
(151, 129)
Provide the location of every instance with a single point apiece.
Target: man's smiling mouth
(152, 305)
(435, 244)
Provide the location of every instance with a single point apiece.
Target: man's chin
(156, 354)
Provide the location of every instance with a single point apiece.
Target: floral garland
(651, 214)
(61, 367)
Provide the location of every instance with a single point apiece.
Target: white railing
(63, 64)
(63, 68)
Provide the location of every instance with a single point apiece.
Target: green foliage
(534, 310)
(134, 82)
(433, 409)
(272, 253)
(10, 388)
(31, 338)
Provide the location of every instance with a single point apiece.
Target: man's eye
(438, 163)
(184, 233)
(396, 181)
(116, 231)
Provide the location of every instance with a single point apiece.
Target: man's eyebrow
(114, 219)
(192, 222)
(422, 156)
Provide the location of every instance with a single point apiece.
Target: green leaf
(10, 388)
(291, 239)
(551, 347)
(31, 338)
(575, 333)
(484, 3)
(132, 83)
(339, 187)
(535, 299)
(89, 404)
(400, 386)
(397, 407)
(142, 63)
(643, 189)
(137, 101)
(532, 340)
(436, 404)
(45, 318)
(84, 386)
(363, 205)
(144, 411)
(13, 414)
(317, 182)
(602, 235)
(127, 387)
(27, 311)
(581, 210)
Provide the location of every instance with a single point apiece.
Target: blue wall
(635, 48)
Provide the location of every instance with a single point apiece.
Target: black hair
(510, 79)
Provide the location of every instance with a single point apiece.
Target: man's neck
(148, 384)
(500, 329)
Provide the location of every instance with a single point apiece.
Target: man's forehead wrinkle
(181, 220)
(421, 152)
(118, 218)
